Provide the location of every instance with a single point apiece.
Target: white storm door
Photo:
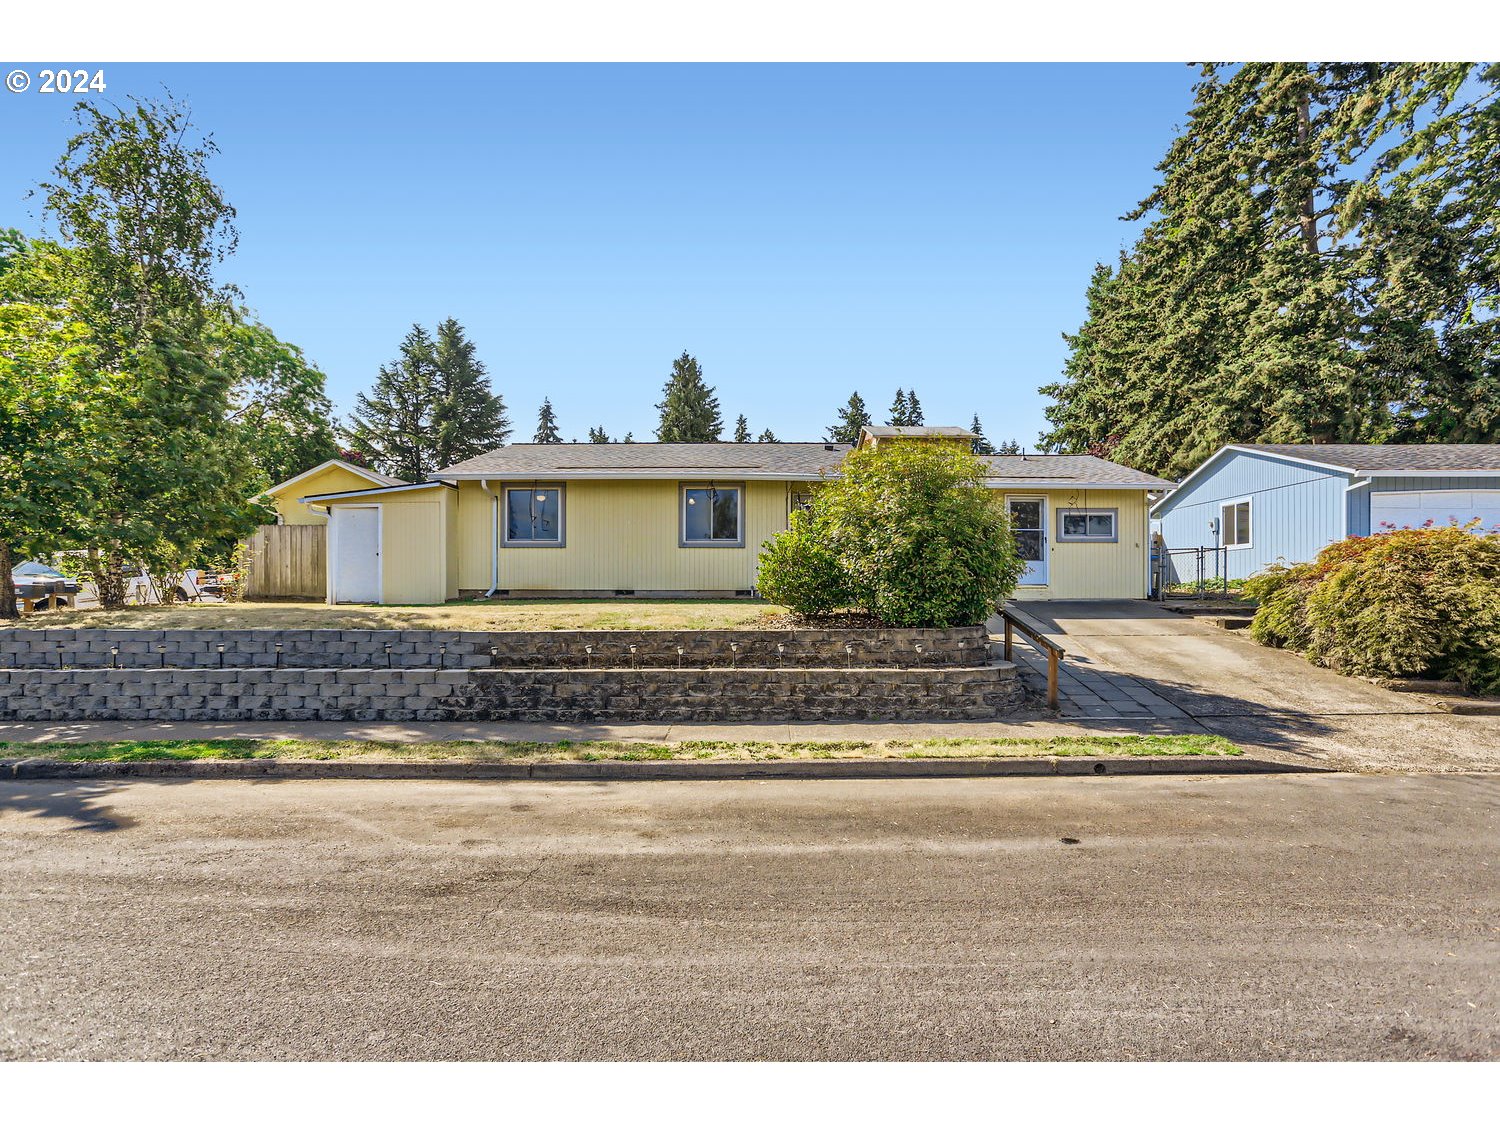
(356, 554)
(1028, 522)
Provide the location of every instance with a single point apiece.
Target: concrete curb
(275, 769)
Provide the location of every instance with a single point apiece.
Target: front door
(1028, 521)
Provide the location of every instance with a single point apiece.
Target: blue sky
(805, 231)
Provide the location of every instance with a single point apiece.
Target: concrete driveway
(1133, 664)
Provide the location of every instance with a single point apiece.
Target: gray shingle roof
(1393, 458)
(793, 460)
(1063, 469)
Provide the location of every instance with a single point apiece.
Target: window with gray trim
(1234, 524)
(534, 517)
(1088, 525)
(712, 516)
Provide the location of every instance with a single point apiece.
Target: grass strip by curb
(293, 749)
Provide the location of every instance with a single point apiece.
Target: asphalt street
(1283, 917)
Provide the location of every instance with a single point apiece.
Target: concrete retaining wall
(535, 695)
(422, 648)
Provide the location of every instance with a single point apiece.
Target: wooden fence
(288, 561)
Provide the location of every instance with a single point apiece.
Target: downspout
(494, 538)
(1347, 490)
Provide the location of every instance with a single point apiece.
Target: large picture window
(712, 516)
(534, 517)
(1088, 525)
(1234, 524)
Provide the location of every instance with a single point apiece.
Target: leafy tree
(393, 425)
(277, 400)
(598, 436)
(853, 417)
(900, 410)
(741, 429)
(144, 227)
(546, 425)
(907, 531)
(1321, 263)
(54, 410)
(468, 418)
(768, 436)
(689, 409)
(981, 444)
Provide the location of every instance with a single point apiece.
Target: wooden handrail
(1053, 651)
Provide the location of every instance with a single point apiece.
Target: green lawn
(1109, 746)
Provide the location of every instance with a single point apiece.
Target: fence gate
(1190, 572)
(288, 561)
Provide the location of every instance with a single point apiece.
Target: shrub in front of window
(907, 532)
(1421, 602)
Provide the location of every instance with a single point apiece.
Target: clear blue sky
(805, 231)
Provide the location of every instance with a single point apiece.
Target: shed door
(1413, 509)
(355, 554)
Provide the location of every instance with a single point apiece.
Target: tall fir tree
(853, 417)
(597, 435)
(468, 418)
(914, 416)
(741, 429)
(689, 409)
(767, 436)
(546, 425)
(982, 444)
(392, 425)
(1313, 269)
(900, 412)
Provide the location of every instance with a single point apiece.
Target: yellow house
(331, 476)
(679, 520)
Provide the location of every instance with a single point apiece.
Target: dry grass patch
(472, 616)
(1092, 746)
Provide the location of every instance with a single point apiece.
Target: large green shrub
(1416, 602)
(907, 532)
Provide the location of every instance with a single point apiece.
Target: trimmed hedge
(1421, 602)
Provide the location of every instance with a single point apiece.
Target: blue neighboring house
(1284, 503)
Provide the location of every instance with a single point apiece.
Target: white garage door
(354, 547)
(1413, 509)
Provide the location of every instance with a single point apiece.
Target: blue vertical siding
(1295, 510)
(1359, 523)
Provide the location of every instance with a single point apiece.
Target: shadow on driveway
(81, 803)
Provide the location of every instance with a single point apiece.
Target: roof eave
(652, 474)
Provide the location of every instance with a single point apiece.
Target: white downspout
(494, 538)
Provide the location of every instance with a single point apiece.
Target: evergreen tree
(689, 409)
(1009, 449)
(899, 410)
(741, 429)
(1319, 247)
(853, 417)
(468, 418)
(546, 425)
(598, 436)
(628, 439)
(982, 444)
(914, 410)
(392, 425)
(767, 435)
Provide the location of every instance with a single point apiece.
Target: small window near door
(1234, 524)
(1088, 525)
(711, 517)
(533, 517)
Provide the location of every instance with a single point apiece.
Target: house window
(712, 516)
(1234, 524)
(798, 501)
(1088, 525)
(533, 517)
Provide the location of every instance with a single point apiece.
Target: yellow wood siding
(1092, 570)
(335, 478)
(619, 535)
